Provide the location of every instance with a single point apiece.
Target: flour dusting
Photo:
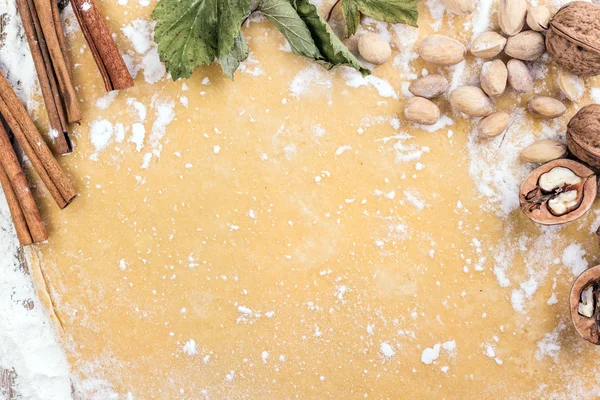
(28, 343)
(140, 33)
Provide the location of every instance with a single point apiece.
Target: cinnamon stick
(50, 172)
(60, 33)
(11, 170)
(15, 210)
(104, 49)
(44, 12)
(43, 65)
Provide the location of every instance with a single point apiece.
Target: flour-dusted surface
(28, 345)
(29, 348)
(289, 234)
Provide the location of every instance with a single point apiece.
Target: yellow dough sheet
(289, 234)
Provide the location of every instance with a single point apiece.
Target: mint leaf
(392, 11)
(191, 33)
(332, 50)
(230, 62)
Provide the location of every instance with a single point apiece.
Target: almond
(528, 45)
(570, 85)
(538, 18)
(494, 124)
(429, 86)
(547, 107)
(441, 50)
(543, 151)
(471, 100)
(421, 111)
(511, 16)
(519, 76)
(493, 77)
(460, 7)
(374, 48)
(488, 45)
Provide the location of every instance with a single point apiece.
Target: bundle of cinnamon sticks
(46, 38)
(47, 43)
(25, 214)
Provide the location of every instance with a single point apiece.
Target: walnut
(583, 135)
(558, 192)
(573, 38)
(585, 304)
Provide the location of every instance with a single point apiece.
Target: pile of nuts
(525, 36)
(560, 190)
(518, 44)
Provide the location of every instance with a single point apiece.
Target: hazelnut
(558, 192)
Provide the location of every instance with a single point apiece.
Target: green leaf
(230, 62)
(285, 17)
(332, 50)
(191, 33)
(392, 11)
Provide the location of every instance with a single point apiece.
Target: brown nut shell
(573, 38)
(586, 327)
(583, 135)
(542, 215)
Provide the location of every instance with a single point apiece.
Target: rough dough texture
(299, 248)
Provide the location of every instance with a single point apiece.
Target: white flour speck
(573, 257)
(387, 350)
(190, 348)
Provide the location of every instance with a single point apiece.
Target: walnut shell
(573, 38)
(586, 327)
(583, 135)
(542, 214)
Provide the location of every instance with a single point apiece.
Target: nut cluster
(521, 38)
(560, 190)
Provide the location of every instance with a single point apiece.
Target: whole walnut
(573, 38)
(583, 135)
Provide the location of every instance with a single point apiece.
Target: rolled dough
(290, 235)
